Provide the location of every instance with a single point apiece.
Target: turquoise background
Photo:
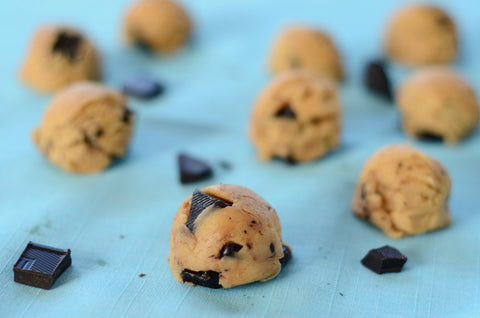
(117, 223)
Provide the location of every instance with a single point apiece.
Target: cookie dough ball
(158, 25)
(225, 236)
(421, 34)
(85, 128)
(304, 48)
(403, 192)
(436, 102)
(296, 118)
(59, 56)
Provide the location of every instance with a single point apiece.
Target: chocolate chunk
(429, 136)
(385, 259)
(376, 79)
(208, 279)
(272, 247)
(67, 44)
(285, 112)
(230, 249)
(201, 201)
(40, 265)
(192, 169)
(287, 254)
(127, 115)
(143, 87)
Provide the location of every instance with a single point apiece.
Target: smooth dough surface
(421, 34)
(311, 131)
(250, 222)
(438, 102)
(59, 56)
(403, 192)
(85, 128)
(300, 47)
(159, 25)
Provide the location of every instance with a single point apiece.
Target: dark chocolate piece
(40, 265)
(385, 259)
(429, 136)
(127, 115)
(192, 169)
(230, 249)
(200, 201)
(143, 87)
(287, 254)
(272, 247)
(67, 44)
(208, 279)
(377, 81)
(285, 112)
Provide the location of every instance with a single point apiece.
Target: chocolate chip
(143, 87)
(430, 136)
(40, 265)
(272, 248)
(208, 279)
(385, 259)
(377, 81)
(201, 201)
(127, 115)
(285, 112)
(67, 44)
(99, 133)
(192, 169)
(230, 249)
(287, 254)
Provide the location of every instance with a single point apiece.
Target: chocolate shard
(40, 265)
(67, 44)
(285, 112)
(385, 259)
(287, 254)
(192, 169)
(201, 201)
(230, 249)
(143, 87)
(376, 79)
(208, 279)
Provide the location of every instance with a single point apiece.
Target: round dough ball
(85, 128)
(59, 56)
(304, 48)
(437, 102)
(296, 118)
(421, 34)
(403, 192)
(224, 236)
(158, 25)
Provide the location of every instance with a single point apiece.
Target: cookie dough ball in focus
(436, 102)
(85, 128)
(403, 192)
(421, 34)
(304, 48)
(59, 56)
(297, 118)
(158, 25)
(224, 236)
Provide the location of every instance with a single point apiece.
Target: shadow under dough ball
(299, 47)
(421, 34)
(59, 56)
(403, 192)
(224, 236)
(296, 118)
(160, 26)
(437, 102)
(85, 128)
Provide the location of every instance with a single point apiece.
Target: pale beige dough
(438, 102)
(403, 192)
(250, 222)
(85, 128)
(300, 47)
(421, 34)
(313, 132)
(59, 56)
(159, 25)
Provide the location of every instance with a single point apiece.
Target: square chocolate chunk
(385, 259)
(40, 265)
